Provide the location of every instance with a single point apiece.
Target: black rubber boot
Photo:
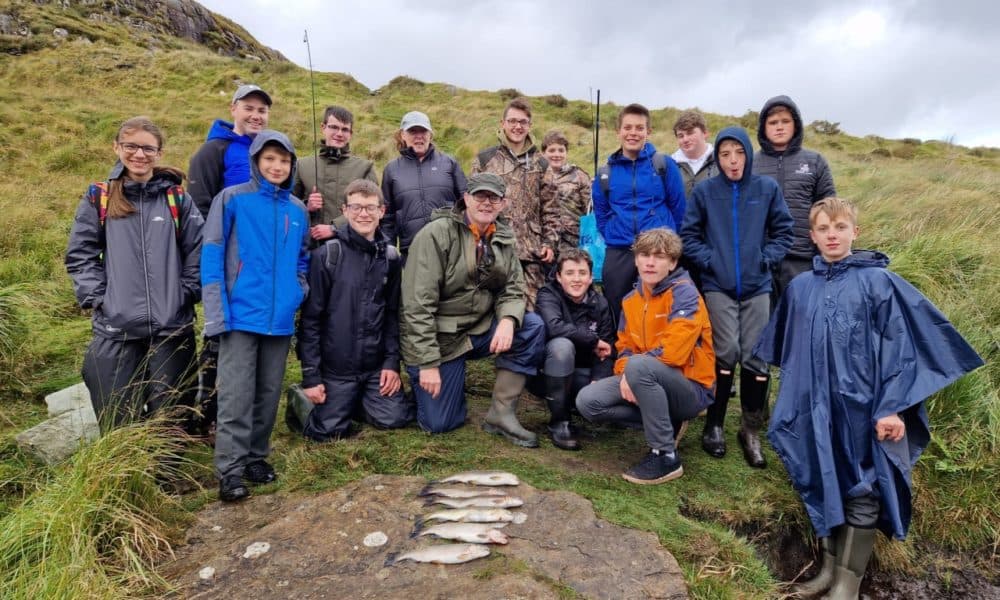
(713, 440)
(557, 391)
(753, 399)
(854, 549)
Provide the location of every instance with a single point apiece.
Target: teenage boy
(531, 204)
(860, 349)
(803, 175)
(580, 333)
(694, 153)
(222, 161)
(737, 227)
(639, 189)
(463, 298)
(666, 366)
(254, 268)
(325, 177)
(348, 336)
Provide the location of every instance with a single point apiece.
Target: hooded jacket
(350, 321)
(140, 274)
(584, 323)
(735, 231)
(413, 188)
(637, 198)
(804, 175)
(255, 254)
(223, 160)
(572, 187)
(337, 168)
(855, 343)
(447, 297)
(691, 178)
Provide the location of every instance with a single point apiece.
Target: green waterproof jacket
(446, 297)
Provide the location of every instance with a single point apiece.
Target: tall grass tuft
(98, 528)
(13, 331)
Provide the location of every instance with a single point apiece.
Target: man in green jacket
(462, 299)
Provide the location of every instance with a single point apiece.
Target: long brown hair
(118, 204)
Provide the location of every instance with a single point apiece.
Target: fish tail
(429, 501)
(419, 524)
(390, 559)
(427, 490)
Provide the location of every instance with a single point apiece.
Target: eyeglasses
(131, 148)
(482, 197)
(368, 209)
(521, 122)
(335, 129)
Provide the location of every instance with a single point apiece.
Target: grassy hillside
(931, 206)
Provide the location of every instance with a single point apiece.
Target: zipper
(145, 265)
(736, 240)
(274, 261)
(635, 200)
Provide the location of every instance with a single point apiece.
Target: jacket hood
(796, 142)
(647, 152)
(332, 153)
(268, 136)
(673, 277)
(456, 213)
(739, 135)
(529, 143)
(857, 259)
(223, 130)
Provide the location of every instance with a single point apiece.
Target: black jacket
(350, 321)
(582, 323)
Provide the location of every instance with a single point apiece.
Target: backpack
(487, 155)
(659, 163)
(333, 253)
(98, 196)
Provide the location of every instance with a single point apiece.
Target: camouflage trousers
(535, 276)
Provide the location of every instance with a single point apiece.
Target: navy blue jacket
(855, 343)
(583, 323)
(222, 161)
(735, 231)
(637, 198)
(255, 253)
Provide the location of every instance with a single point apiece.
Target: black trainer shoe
(259, 473)
(655, 468)
(232, 489)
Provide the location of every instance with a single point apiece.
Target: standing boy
(638, 189)
(666, 365)
(803, 175)
(324, 177)
(254, 265)
(860, 349)
(531, 204)
(349, 331)
(694, 153)
(737, 227)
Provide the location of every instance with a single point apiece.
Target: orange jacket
(672, 325)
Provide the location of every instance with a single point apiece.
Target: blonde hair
(834, 207)
(657, 241)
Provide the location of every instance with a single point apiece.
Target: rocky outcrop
(71, 425)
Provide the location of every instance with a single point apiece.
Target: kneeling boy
(665, 370)
(349, 331)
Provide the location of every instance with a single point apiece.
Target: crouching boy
(348, 339)
(860, 350)
(254, 263)
(665, 370)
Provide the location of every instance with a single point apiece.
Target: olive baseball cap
(487, 182)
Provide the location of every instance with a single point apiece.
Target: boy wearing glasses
(532, 202)
(462, 299)
(325, 177)
(348, 337)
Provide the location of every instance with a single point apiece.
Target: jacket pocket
(446, 324)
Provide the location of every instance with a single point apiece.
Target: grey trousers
(736, 325)
(664, 396)
(251, 369)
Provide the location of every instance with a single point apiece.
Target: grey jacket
(803, 175)
(138, 273)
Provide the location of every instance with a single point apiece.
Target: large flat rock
(317, 550)
(56, 439)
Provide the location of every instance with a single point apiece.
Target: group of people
(432, 268)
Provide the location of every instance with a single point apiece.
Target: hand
(626, 391)
(389, 383)
(317, 394)
(503, 337)
(321, 232)
(430, 381)
(602, 350)
(890, 428)
(546, 255)
(315, 201)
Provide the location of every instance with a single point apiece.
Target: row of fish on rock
(475, 514)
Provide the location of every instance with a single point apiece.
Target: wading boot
(854, 549)
(501, 418)
(713, 439)
(753, 399)
(824, 578)
(557, 391)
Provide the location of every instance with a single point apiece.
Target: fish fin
(390, 559)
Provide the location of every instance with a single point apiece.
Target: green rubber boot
(501, 418)
(853, 554)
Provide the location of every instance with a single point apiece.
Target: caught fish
(454, 492)
(469, 515)
(444, 554)
(482, 478)
(474, 533)
(478, 502)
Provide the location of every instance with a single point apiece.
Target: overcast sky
(900, 68)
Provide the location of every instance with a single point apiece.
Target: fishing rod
(597, 127)
(316, 215)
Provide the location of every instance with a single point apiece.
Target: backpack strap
(175, 195)
(332, 253)
(660, 164)
(98, 195)
(604, 177)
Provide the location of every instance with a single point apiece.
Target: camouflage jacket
(572, 185)
(532, 208)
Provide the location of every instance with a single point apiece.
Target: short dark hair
(575, 255)
(520, 104)
(364, 187)
(554, 137)
(338, 112)
(688, 120)
(633, 109)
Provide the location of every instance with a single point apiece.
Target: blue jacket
(855, 343)
(255, 253)
(735, 231)
(222, 161)
(638, 198)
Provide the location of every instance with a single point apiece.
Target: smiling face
(556, 155)
(732, 159)
(575, 278)
(833, 237)
(417, 139)
(250, 115)
(516, 125)
(139, 151)
(483, 207)
(274, 164)
(363, 214)
(692, 142)
(336, 133)
(779, 128)
(633, 133)
(654, 267)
